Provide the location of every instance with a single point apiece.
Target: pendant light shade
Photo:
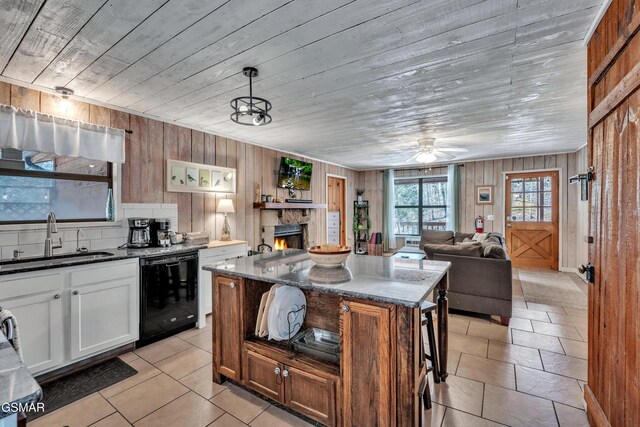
(250, 110)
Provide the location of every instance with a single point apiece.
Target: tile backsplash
(95, 237)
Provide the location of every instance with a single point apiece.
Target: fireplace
(288, 236)
(286, 228)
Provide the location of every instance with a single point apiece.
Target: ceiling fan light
(426, 157)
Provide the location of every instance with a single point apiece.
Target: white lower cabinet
(104, 309)
(71, 313)
(40, 329)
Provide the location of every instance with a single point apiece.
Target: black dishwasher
(168, 295)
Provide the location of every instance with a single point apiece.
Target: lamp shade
(225, 206)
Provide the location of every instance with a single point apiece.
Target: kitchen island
(373, 303)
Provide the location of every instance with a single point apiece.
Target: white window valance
(32, 131)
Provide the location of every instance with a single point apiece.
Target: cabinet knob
(75, 292)
(345, 308)
(285, 373)
(277, 371)
(233, 285)
(56, 296)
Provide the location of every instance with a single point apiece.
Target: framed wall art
(484, 195)
(187, 177)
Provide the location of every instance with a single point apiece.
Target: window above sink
(32, 184)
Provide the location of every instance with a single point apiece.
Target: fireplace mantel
(273, 206)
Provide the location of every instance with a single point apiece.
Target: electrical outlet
(489, 217)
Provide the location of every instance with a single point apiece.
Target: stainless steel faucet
(78, 248)
(51, 228)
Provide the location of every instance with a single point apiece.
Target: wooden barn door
(613, 389)
(532, 223)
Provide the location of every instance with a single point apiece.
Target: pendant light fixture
(250, 110)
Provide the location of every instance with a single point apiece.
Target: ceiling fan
(429, 152)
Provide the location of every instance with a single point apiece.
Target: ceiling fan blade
(412, 158)
(453, 149)
(441, 155)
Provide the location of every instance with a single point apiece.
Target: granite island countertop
(18, 385)
(39, 263)
(398, 281)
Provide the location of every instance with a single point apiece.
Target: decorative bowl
(329, 255)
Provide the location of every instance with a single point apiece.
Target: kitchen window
(420, 203)
(32, 184)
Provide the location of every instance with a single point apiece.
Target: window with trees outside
(33, 184)
(420, 203)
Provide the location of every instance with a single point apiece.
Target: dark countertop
(18, 385)
(38, 263)
(398, 281)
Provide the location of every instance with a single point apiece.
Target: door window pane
(516, 185)
(531, 199)
(516, 214)
(517, 200)
(531, 184)
(531, 214)
(546, 214)
(547, 183)
(547, 198)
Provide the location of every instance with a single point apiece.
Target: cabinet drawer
(19, 285)
(104, 272)
(333, 232)
(263, 375)
(231, 250)
(334, 224)
(310, 395)
(333, 216)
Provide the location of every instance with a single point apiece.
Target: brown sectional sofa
(480, 275)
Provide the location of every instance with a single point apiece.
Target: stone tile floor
(529, 374)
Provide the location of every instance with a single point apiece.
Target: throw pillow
(473, 249)
(479, 237)
(461, 237)
(491, 249)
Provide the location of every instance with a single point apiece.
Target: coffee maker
(160, 232)
(139, 236)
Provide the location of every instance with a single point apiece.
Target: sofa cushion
(473, 249)
(436, 237)
(460, 236)
(493, 249)
(497, 236)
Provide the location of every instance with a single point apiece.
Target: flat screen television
(294, 174)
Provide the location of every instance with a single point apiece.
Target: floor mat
(553, 287)
(68, 389)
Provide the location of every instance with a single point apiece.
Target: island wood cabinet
(228, 337)
(376, 381)
(368, 363)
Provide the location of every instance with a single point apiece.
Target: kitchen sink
(52, 261)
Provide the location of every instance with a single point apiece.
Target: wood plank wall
(152, 142)
(573, 212)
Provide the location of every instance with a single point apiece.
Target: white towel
(4, 316)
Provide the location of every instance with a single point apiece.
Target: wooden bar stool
(432, 356)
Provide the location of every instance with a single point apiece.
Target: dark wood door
(532, 220)
(310, 395)
(228, 338)
(264, 375)
(368, 364)
(613, 389)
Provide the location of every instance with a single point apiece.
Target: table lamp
(225, 206)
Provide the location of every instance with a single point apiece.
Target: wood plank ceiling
(356, 83)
